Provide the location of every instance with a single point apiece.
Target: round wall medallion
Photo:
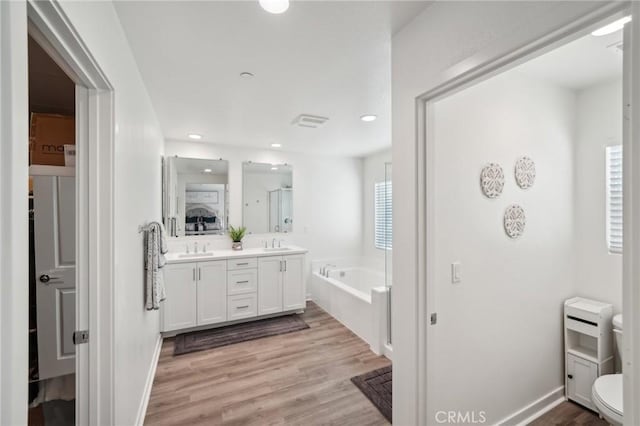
(525, 172)
(492, 180)
(514, 221)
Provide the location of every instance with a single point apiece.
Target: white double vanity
(210, 288)
(227, 286)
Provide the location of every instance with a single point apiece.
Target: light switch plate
(455, 273)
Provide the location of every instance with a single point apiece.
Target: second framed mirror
(267, 197)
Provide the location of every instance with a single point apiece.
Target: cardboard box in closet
(49, 134)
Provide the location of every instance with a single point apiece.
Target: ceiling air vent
(307, 120)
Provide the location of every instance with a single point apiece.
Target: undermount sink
(194, 255)
(268, 249)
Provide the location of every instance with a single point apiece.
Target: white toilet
(607, 389)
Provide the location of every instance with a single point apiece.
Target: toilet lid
(608, 388)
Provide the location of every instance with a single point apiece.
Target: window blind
(614, 198)
(383, 215)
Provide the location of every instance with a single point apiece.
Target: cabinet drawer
(242, 306)
(242, 281)
(247, 263)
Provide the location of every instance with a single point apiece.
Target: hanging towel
(156, 247)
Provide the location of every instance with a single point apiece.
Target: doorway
(436, 312)
(52, 241)
(47, 24)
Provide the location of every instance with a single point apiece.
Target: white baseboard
(388, 351)
(142, 410)
(536, 409)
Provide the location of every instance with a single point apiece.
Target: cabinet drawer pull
(243, 307)
(242, 282)
(194, 274)
(570, 376)
(242, 264)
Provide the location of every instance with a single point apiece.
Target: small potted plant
(237, 234)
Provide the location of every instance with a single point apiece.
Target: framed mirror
(267, 197)
(195, 196)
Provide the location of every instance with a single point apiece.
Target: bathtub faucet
(326, 269)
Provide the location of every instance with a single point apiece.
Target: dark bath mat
(376, 385)
(223, 336)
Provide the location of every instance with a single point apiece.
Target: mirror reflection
(196, 196)
(267, 197)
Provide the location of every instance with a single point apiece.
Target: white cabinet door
(270, 285)
(580, 377)
(212, 292)
(293, 286)
(179, 308)
(55, 257)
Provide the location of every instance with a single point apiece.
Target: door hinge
(434, 318)
(80, 337)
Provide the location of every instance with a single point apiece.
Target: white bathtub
(356, 297)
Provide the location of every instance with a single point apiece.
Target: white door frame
(425, 184)
(631, 253)
(48, 25)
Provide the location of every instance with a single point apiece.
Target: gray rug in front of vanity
(376, 385)
(216, 337)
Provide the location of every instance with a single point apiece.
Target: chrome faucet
(327, 269)
(273, 243)
(195, 247)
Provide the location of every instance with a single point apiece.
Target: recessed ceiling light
(246, 74)
(274, 6)
(276, 145)
(207, 170)
(194, 136)
(368, 117)
(612, 27)
(274, 168)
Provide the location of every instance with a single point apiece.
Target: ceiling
(50, 90)
(324, 58)
(579, 64)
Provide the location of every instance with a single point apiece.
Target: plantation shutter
(383, 214)
(614, 198)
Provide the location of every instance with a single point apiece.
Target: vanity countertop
(175, 257)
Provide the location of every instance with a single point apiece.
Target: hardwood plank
(569, 414)
(296, 378)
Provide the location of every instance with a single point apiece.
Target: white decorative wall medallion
(514, 221)
(525, 171)
(492, 180)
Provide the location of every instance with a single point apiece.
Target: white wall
(373, 171)
(138, 149)
(327, 201)
(446, 40)
(504, 320)
(599, 274)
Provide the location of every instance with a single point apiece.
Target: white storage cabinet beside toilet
(588, 347)
(216, 292)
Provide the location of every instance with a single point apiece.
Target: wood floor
(569, 414)
(301, 378)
